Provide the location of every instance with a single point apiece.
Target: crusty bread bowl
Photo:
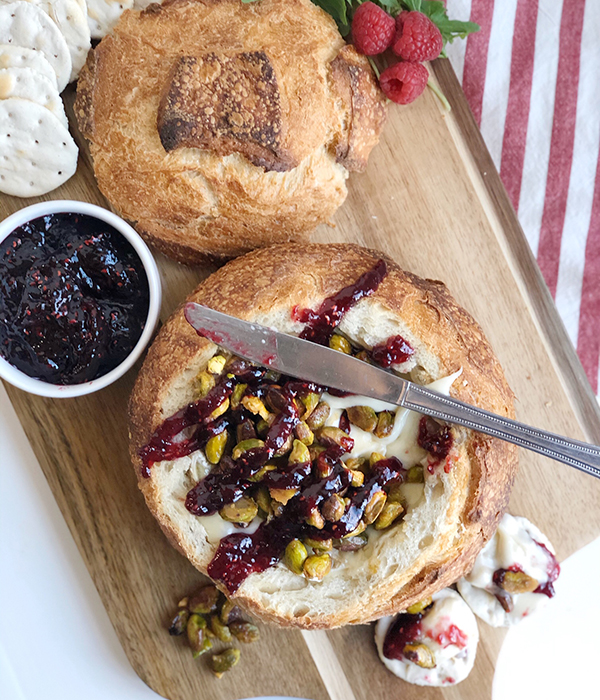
(438, 540)
(219, 126)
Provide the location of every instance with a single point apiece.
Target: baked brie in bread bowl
(309, 508)
(219, 126)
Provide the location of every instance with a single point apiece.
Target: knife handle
(580, 455)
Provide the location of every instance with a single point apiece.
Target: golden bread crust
(224, 132)
(288, 275)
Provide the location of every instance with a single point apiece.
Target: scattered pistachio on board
(208, 618)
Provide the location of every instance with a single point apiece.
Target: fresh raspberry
(404, 82)
(373, 30)
(417, 38)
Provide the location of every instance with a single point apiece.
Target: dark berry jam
(394, 352)
(436, 439)
(320, 324)
(73, 298)
(404, 629)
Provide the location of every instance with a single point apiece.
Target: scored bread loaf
(219, 126)
(440, 537)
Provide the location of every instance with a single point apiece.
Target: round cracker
(104, 14)
(20, 57)
(24, 24)
(37, 153)
(73, 25)
(31, 85)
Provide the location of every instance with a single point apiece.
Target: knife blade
(330, 368)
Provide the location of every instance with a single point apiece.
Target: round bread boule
(219, 126)
(408, 562)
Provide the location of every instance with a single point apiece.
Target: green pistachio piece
(385, 424)
(420, 606)
(333, 508)
(375, 506)
(338, 342)
(179, 622)
(295, 556)
(196, 634)
(245, 445)
(223, 662)
(419, 654)
(230, 612)
(310, 401)
(244, 510)
(299, 453)
(238, 393)
(363, 416)
(390, 512)
(220, 630)
(317, 566)
(204, 600)
(415, 475)
(318, 417)
(319, 545)
(215, 447)
(304, 433)
(246, 632)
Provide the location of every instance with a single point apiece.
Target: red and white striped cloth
(532, 79)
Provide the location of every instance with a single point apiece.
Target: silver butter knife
(311, 362)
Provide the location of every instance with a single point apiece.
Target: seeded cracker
(37, 153)
(24, 24)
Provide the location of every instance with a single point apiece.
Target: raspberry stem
(439, 94)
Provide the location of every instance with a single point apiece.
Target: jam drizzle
(320, 324)
(395, 351)
(435, 439)
(405, 628)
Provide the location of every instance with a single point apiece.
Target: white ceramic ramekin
(36, 386)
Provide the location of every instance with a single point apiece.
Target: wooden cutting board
(432, 199)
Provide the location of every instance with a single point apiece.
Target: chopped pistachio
(375, 457)
(363, 355)
(363, 416)
(223, 662)
(263, 500)
(395, 493)
(236, 396)
(358, 477)
(390, 512)
(318, 416)
(319, 545)
(262, 428)
(304, 433)
(360, 464)
(338, 342)
(333, 508)
(315, 450)
(420, 654)
(375, 506)
(310, 402)
(295, 556)
(222, 408)
(256, 406)
(330, 435)
(183, 603)
(351, 543)
(316, 519)
(204, 600)
(385, 424)
(299, 453)
(197, 639)
(283, 495)
(179, 622)
(246, 632)
(419, 607)
(215, 447)
(220, 630)
(230, 612)
(415, 475)
(515, 582)
(204, 383)
(244, 510)
(359, 529)
(260, 474)
(246, 445)
(286, 447)
(216, 364)
(317, 566)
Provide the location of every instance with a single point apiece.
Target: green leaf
(248, 1)
(391, 6)
(338, 10)
(436, 11)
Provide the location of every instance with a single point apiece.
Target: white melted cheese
(453, 662)
(402, 442)
(513, 544)
(217, 528)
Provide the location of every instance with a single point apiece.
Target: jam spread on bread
(278, 458)
(320, 324)
(73, 298)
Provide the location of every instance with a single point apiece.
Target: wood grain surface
(432, 200)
